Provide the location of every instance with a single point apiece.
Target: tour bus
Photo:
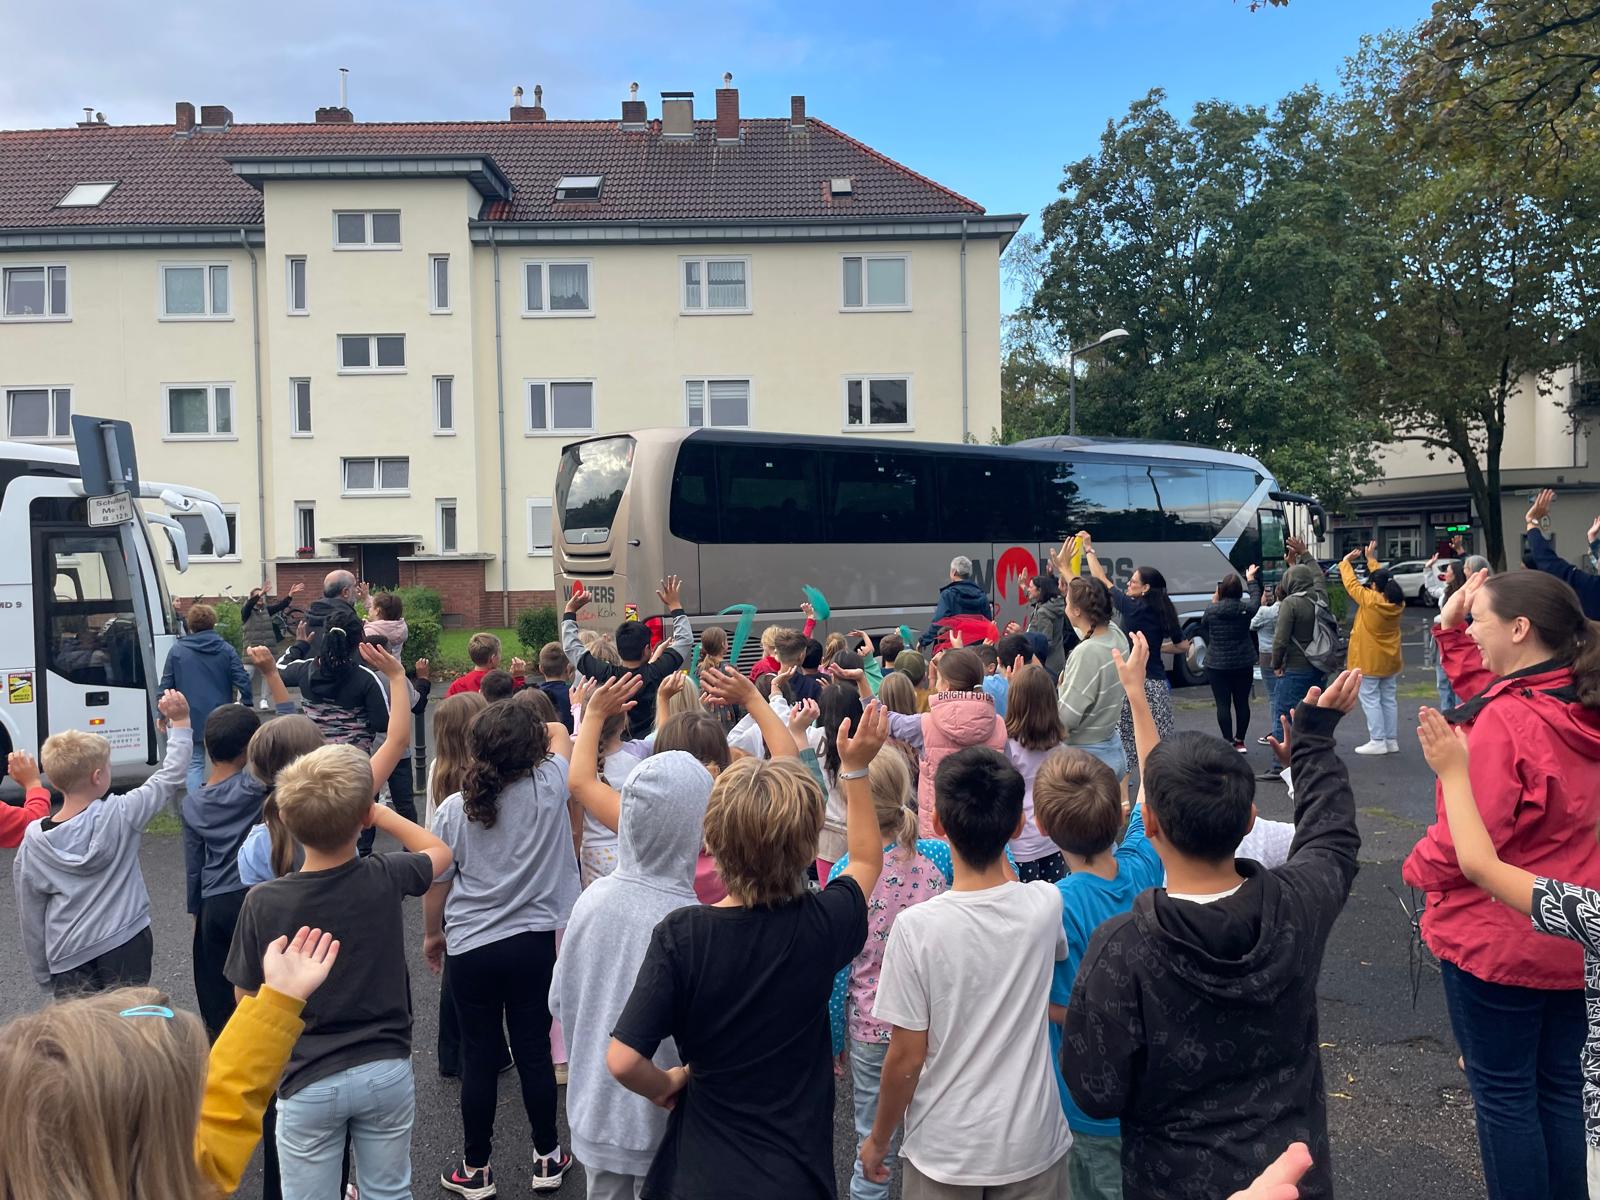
(753, 518)
(70, 649)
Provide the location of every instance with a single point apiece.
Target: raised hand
(802, 717)
(1540, 508)
(1251, 572)
(668, 592)
(581, 693)
(1131, 670)
(1457, 607)
(261, 658)
(1294, 549)
(380, 660)
(297, 589)
(1594, 531)
(725, 685)
(1280, 747)
(576, 601)
(615, 695)
(858, 747)
(1371, 550)
(1012, 627)
(173, 707)
(422, 669)
(1443, 744)
(847, 674)
(297, 968)
(21, 767)
(808, 610)
(518, 667)
(671, 685)
(1341, 694)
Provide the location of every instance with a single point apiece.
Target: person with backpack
(1305, 644)
(1375, 648)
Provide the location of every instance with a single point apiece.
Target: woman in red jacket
(1528, 672)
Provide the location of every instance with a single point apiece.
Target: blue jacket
(208, 672)
(959, 597)
(1547, 560)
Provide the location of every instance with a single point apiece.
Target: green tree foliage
(230, 625)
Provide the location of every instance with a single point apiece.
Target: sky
(991, 99)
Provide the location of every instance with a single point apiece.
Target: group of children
(716, 885)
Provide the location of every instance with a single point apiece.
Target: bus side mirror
(177, 538)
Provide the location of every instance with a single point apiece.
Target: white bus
(71, 600)
(752, 518)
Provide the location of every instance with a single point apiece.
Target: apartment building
(371, 340)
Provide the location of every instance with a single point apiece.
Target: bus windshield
(589, 487)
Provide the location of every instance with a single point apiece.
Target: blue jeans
(1521, 1050)
(1111, 753)
(1447, 694)
(1291, 688)
(376, 1104)
(1379, 705)
(866, 1073)
(197, 765)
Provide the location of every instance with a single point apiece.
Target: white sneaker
(1394, 746)
(1373, 748)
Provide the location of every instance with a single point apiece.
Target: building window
(199, 411)
(716, 285)
(366, 230)
(877, 402)
(305, 527)
(35, 293)
(717, 403)
(560, 406)
(198, 535)
(194, 291)
(439, 283)
(556, 289)
(541, 537)
(445, 524)
(296, 287)
(86, 195)
(444, 404)
(372, 353)
(366, 476)
(579, 187)
(1402, 543)
(877, 281)
(299, 408)
(39, 414)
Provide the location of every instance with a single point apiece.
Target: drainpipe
(965, 432)
(261, 446)
(500, 409)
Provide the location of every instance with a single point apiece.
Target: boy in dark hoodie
(1194, 1016)
(207, 670)
(555, 681)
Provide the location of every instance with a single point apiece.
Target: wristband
(861, 774)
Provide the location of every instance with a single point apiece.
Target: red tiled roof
(774, 172)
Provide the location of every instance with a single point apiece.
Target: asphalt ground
(1400, 1118)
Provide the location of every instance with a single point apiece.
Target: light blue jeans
(376, 1103)
(1447, 693)
(1111, 753)
(866, 1073)
(1378, 703)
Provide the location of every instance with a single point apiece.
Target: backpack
(1327, 649)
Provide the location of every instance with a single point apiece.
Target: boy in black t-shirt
(633, 646)
(354, 1058)
(742, 986)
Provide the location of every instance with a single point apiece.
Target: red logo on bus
(1013, 573)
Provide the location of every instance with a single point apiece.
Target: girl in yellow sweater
(1375, 648)
(112, 1097)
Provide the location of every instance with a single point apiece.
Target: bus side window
(1231, 489)
(876, 497)
(768, 494)
(1118, 502)
(693, 515)
(981, 500)
(1184, 494)
(91, 637)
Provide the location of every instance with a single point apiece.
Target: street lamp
(1105, 339)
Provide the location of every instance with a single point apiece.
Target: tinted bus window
(982, 499)
(1230, 488)
(693, 514)
(768, 494)
(589, 486)
(1185, 496)
(873, 497)
(1111, 501)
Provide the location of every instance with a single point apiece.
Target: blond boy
(484, 651)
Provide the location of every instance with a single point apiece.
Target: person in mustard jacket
(128, 1081)
(1375, 648)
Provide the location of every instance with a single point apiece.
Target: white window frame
(232, 555)
(866, 305)
(46, 267)
(434, 306)
(549, 505)
(707, 381)
(50, 390)
(438, 524)
(705, 286)
(289, 261)
(549, 406)
(366, 229)
(206, 266)
(302, 507)
(439, 428)
(377, 488)
(865, 379)
(295, 431)
(544, 282)
(372, 354)
(211, 434)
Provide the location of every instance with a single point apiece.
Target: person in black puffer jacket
(1231, 653)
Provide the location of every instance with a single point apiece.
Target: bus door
(90, 672)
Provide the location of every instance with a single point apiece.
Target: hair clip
(148, 1010)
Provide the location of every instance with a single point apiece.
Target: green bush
(421, 602)
(535, 628)
(1338, 600)
(230, 625)
(423, 640)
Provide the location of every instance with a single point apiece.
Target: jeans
(1378, 703)
(1521, 1050)
(507, 981)
(866, 1074)
(1447, 694)
(376, 1104)
(1291, 688)
(1094, 1167)
(1109, 752)
(197, 766)
(1230, 689)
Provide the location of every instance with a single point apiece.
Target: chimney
(727, 110)
(91, 119)
(184, 123)
(335, 115)
(797, 112)
(215, 116)
(536, 113)
(677, 114)
(634, 115)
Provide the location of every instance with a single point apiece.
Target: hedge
(537, 627)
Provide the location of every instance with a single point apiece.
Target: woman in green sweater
(1090, 695)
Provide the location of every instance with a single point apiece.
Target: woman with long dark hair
(496, 913)
(1231, 653)
(1047, 616)
(1375, 648)
(1528, 669)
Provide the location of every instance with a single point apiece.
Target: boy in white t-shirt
(963, 980)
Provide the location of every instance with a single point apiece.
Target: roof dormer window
(86, 195)
(578, 187)
(841, 185)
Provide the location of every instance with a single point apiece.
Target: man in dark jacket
(1194, 1016)
(1546, 559)
(208, 672)
(336, 606)
(957, 598)
(1297, 625)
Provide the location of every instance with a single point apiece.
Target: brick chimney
(184, 123)
(215, 116)
(334, 114)
(797, 112)
(727, 111)
(634, 113)
(536, 113)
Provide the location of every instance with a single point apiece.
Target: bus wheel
(1180, 673)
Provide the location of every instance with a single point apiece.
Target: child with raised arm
(14, 821)
(742, 986)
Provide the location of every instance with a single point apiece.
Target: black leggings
(506, 980)
(1231, 686)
